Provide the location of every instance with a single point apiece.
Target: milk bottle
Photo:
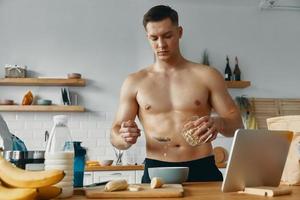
(60, 154)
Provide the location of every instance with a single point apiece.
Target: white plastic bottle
(60, 154)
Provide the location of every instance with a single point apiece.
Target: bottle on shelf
(236, 71)
(60, 154)
(228, 73)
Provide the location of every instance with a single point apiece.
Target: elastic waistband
(208, 159)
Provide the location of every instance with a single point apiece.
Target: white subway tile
(79, 116)
(33, 124)
(25, 116)
(96, 133)
(48, 125)
(97, 116)
(110, 116)
(102, 142)
(47, 117)
(88, 124)
(14, 125)
(39, 135)
(97, 151)
(9, 116)
(104, 124)
(74, 124)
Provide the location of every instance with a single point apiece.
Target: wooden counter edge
(114, 168)
(128, 167)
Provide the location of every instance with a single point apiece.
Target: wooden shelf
(39, 108)
(238, 84)
(42, 82)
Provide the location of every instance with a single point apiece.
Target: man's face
(164, 38)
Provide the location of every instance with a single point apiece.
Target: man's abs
(177, 151)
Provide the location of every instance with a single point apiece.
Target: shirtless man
(166, 95)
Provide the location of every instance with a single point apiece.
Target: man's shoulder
(203, 69)
(136, 77)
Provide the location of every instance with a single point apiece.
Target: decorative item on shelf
(28, 98)
(228, 73)
(248, 117)
(236, 71)
(15, 71)
(43, 102)
(92, 163)
(119, 155)
(6, 102)
(205, 58)
(65, 96)
(106, 162)
(74, 76)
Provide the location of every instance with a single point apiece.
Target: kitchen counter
(114, 168)
(128, 167)
(212, 190)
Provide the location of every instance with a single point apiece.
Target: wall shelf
(238, 84)
(42, 82)
(39, 108)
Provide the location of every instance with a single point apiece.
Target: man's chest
(156, 96)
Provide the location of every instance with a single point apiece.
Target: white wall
(104, 40)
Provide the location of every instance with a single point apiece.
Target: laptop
(257, 158)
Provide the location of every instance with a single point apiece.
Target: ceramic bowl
(170, 174)
(6, 102)
(74, 76)
(106, 162)
(43, 102)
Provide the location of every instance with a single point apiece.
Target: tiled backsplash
(92, 128)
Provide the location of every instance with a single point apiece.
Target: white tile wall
(92, 128)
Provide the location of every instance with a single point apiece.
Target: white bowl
(170, 174)
(106, 162)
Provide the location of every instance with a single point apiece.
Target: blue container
(79, 163)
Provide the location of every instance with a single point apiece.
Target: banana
(49, 192)
(16, 193)
(156, 182)
(16, 177)
(116, 185)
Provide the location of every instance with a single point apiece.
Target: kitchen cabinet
(138, 176)
(42, 82)
(101, 176)
(132, 176)
(88, 178)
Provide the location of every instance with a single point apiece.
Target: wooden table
(212, 191)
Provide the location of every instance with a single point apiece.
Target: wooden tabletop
(212, 191)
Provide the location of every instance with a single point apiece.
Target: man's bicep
(127, 111)
(220, 98)
(128, 106)
(223, 103)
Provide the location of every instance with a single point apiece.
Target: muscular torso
(166, 101)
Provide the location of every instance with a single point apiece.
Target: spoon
(162, 139)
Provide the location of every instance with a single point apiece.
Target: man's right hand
(129, 131)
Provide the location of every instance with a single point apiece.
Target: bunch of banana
(19, 184)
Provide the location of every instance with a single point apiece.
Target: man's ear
(180, 31)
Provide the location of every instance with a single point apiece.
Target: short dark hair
(160, 12)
